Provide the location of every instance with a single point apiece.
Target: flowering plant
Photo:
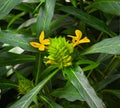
(59, 54)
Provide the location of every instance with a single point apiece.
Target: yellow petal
(35, 44)
(42, 47)
(71, 36)
(41, 37)
(84, 40)
(45, 42)
(78, 34)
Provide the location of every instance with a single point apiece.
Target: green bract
(60, 52)
(25, 86)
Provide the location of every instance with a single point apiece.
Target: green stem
(47, 101)
(89, 73)
(98, 39)
(81, 4)
(38, 68)
(109, 65)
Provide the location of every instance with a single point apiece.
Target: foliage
(59, 53)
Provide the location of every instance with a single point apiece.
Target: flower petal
(78, 34)
(41, 37)
(35, 44)
(84, 40)
(71, 36)
(42, 47)
(45, 42)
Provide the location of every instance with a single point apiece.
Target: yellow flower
(43, 42)
(76, 40)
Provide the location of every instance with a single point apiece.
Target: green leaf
(50, 102)
(102, 84)
(6, 6)
(68, 92)
(25, 8)
(90, 64)
(114, 92)
(16, 40)
(58, 22)
(88, 19)
(27, 23)
(108, 6)
(31, 1)
(74, 3)
(45, 16)
(8, 58)
(26, 100)
(78, 79)
(109, 46)
(16, 17)
(4, 83)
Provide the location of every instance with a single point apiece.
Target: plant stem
(109, 65)
(38, 68)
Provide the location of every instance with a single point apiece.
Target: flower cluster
(25, 86)
(59, 49)
(60, 52)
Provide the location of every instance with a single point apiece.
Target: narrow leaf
(16, 40)
(8, 58)
(27, 23)
(102, 84)
(4, 83)
(108, 6)
(31, 1)
(78, 79)
(6, 6)
(50, 102)
(25, 101)
(114, 92)
(45, 16)
(109, 46)
(88, 19)
(68, 92)
(90, 64)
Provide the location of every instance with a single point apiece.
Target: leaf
(6, 6)
(76, 76)
(74, 3)
(108, 6)
(8, 58)
(102, 84)
(31, 1)
(114, 92)
(4, 83)
(68, 92)
(58, 22)
(45, 16)
(50, 102)
(88, 19)
(27, 23)
(90, 64)
(24, 7)
(16, 17)
(26, 100)
(16, 40)
(109, 46)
